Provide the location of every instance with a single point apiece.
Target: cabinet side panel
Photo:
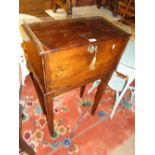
(34, 62)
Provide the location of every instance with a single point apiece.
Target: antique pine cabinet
(65, 54)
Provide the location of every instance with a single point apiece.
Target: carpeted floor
(76, 131)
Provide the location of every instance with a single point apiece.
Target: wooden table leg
(99, 93)
(69, 10)
(39, 93)
(114, 6)
(49, 116)
(54, 8)
(82, 88)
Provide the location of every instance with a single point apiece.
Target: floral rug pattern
(76, 131)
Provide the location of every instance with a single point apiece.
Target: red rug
(76, 131)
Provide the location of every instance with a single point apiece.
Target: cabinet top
(55, 35)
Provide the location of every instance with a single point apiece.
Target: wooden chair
(111, 4)
(126, 18)
(65, 4)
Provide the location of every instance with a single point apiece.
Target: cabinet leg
(39, 94)
(98, 96)
(49, 116)
(24, 146)
(46, 105)
(82, 88)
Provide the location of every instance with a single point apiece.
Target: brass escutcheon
(91, 49)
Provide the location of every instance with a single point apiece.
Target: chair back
(127, 62)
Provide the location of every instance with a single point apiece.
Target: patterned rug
(76, 131)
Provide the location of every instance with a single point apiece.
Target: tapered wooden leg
(49, 116)
(24, 146)
(46, 103)
(98, 96)
(39, 94)
(82, 90)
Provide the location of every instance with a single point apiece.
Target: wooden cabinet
(34, 6)
(60, 53)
